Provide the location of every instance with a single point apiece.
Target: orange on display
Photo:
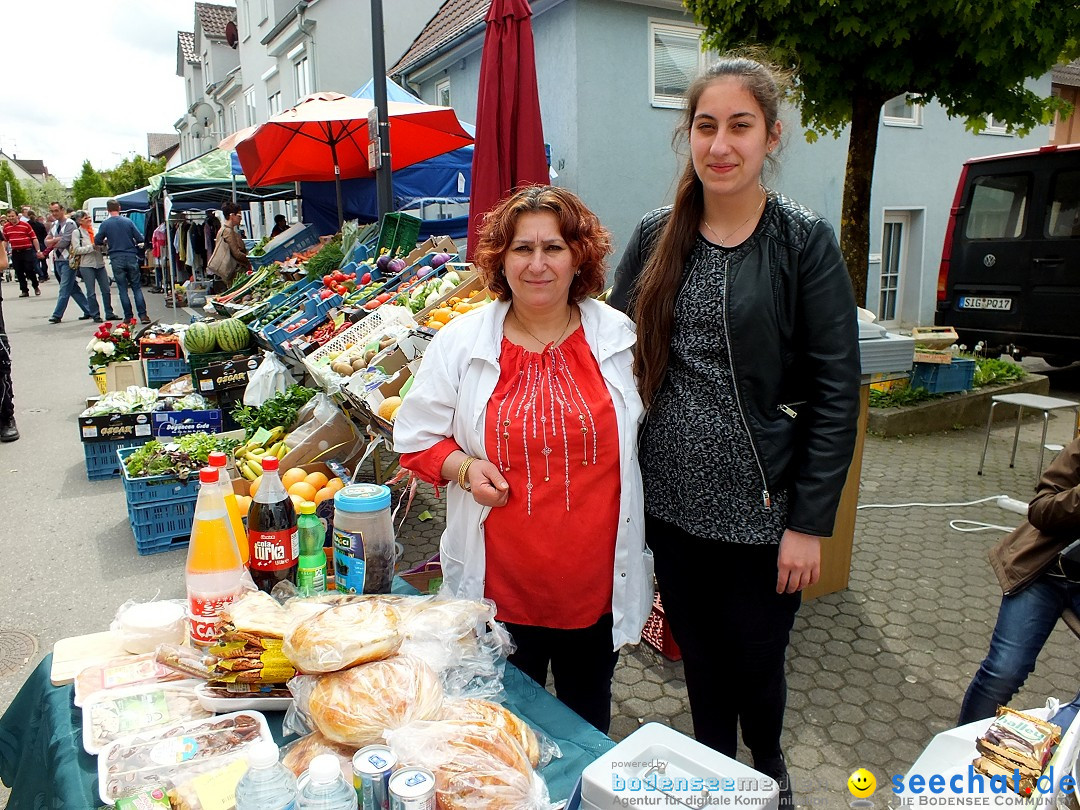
(253, 487)
(323, 494)
(302, 488)
(317, 480)
(293, 476)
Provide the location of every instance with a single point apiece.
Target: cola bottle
(273, 539)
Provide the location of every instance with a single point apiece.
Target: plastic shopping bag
(269, 379)
(324, 433)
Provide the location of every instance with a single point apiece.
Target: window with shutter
(675, 60)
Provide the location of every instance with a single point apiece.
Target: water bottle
(325, 788)
(267, 785)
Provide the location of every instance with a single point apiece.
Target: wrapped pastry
(990, 767)
(344, 636)
(477, 766)
(472, 710)
(298, 754)
(355, 706)
(253, 617)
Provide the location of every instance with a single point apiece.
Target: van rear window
(1063, 212)
(997, 207)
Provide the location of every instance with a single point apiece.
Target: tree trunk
(858, 178)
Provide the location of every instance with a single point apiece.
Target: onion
(425, 271)
(397, 265)
(439, 259)
(383, 261)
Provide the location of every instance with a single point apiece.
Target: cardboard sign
(224, 376)
(114, 427)
(180, 423)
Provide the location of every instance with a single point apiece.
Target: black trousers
(7, 392)
(733, 628)
(25, 262)
(582, 665)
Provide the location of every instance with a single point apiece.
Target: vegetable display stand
(386, 319)
(101, 459)
(295, 238)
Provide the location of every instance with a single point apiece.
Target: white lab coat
(449, 398)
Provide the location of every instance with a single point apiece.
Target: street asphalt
(874, 672)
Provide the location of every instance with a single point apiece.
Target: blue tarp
(139, 200)
(445, 178)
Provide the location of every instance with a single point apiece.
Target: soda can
(412, 789)
(372, 766)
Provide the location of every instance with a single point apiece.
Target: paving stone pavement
(875, 671)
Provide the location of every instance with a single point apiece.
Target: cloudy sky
(88, 80)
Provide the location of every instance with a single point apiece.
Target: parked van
(95, 207)
(1010, 267)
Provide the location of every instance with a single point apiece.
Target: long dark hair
(660, 280)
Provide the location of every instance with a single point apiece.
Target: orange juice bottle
(214, 569)
(236, 522)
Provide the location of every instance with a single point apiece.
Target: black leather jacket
(794, 351)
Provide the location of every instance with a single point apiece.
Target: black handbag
(1069, 561)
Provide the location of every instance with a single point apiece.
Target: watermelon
(232, 335)
(199, 338)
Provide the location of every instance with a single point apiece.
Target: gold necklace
(545, 344)
(723, 240)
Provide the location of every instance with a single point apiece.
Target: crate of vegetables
(160, 471)
(296, 239)
(378, 330)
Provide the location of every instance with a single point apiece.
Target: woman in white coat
(528, 407)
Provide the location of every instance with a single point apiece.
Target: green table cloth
(43, 762)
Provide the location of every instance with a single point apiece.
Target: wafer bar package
(1018, 738)
(991, 767)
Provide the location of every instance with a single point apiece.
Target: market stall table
(43, 762)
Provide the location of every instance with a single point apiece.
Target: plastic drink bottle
(324, 788)
(273, 541)
(267, 785)
(311, 574)
(236, 520)
(214, 571)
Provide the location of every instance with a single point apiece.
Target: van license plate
(976, 302)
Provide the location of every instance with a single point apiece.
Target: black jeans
(732, 627)
(25, 262)
(582, 664)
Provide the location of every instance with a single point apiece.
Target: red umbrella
(324, 137)
(509, 149)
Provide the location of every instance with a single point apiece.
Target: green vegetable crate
(398, 234)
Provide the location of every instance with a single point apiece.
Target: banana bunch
(263, 444)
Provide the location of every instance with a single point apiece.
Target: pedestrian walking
(8, 431)
(1036, 585)
(747, 358)
(91, 267)
(24, 252)
(58, 242)
(34, 221)
(124, 242)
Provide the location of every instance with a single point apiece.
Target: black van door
(991, 251)
(1052, 306)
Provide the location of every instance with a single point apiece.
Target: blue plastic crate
(162, 527)
(101, 459)
(164, 371)
(315, 311)
(154, 489)
(944, 378)
(281, 250)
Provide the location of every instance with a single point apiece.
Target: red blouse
(551, 429)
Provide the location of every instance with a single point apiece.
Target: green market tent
(209, 178)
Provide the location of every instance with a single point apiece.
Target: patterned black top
(697, 459)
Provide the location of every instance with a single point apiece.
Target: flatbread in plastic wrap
(473, 710)
(344, 636)
(355, 706)
(477, 766)
(298, 754)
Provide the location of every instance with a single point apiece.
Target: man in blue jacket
(125, 245)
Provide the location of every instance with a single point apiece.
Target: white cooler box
(671, 769)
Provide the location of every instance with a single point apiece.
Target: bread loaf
(344, 636)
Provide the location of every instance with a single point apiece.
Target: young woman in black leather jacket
(747, 358)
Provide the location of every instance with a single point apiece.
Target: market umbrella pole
(384, 179)
(509, 149)
(337, 185)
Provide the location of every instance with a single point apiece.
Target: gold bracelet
(463, 470)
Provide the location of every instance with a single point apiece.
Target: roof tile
(213, 19)
(186, 41)
(453, 19)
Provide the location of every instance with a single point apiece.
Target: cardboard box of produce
(112, 427)
(179, 423)
(223, 376)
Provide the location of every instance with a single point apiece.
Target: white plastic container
(657, 765)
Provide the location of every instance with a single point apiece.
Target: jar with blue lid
(363, 539)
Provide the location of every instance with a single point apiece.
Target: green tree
(7, 177)
(39, 195)
(89, 184)
(850, 57)
(133, 173)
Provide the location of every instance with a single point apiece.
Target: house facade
(610, 73)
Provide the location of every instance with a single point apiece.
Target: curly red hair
(589, 241)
